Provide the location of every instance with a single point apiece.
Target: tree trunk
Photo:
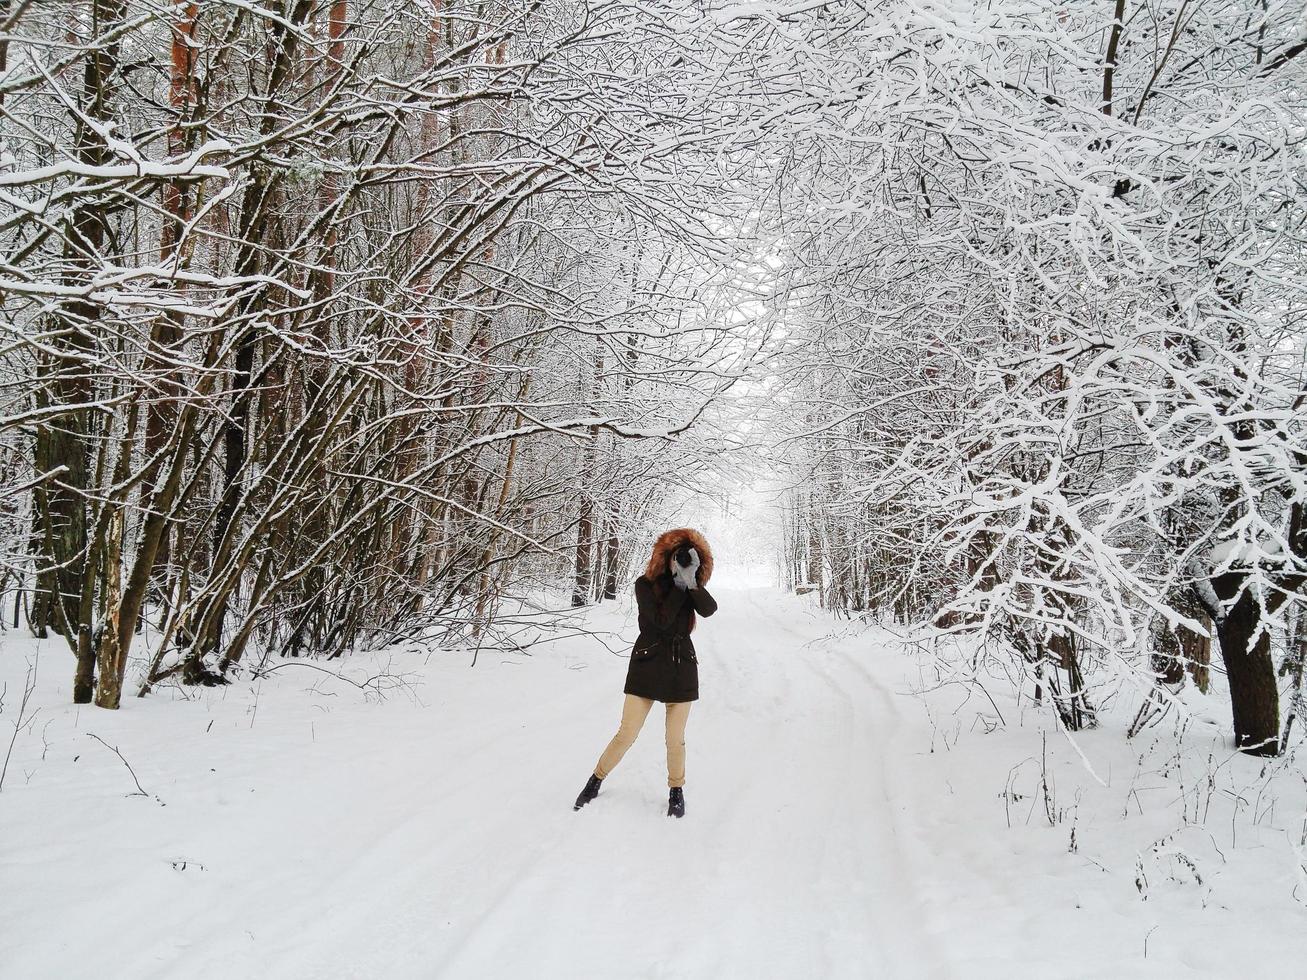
(1178, 649)
(813, 572)
(112, 655)
(257, 205)
(61, 520)
(585, 529)
(1294, 665)
(168, 330)
(1254, 695)
(611, 556)
(63, 441)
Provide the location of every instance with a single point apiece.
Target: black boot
(676, 802)
(589, 793)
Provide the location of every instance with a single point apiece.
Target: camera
(683, 556)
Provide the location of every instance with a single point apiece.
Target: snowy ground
(838, 825)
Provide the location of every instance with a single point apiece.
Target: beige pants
(634, 712)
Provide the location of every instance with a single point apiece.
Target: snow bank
(412, 817)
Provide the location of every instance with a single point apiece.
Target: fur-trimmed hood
(668, 542)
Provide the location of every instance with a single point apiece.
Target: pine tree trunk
(168, 330)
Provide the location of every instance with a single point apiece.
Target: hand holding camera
(684, 566)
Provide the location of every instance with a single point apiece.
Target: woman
(663, 666)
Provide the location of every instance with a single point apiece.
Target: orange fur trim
(668, 542)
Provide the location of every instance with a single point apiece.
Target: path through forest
(296, 829)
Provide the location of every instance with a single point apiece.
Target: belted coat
(664, 666)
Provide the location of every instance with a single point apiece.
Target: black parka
(663, 664)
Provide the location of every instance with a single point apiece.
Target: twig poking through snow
(114, 749)
(29, 685)
(377, 684)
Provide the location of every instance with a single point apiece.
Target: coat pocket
(644, 653)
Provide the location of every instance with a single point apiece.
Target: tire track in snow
(860, 808)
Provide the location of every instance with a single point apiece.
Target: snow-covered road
(791, 862)
(294, 829)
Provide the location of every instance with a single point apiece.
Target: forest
(329, 322)
(328, 326)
